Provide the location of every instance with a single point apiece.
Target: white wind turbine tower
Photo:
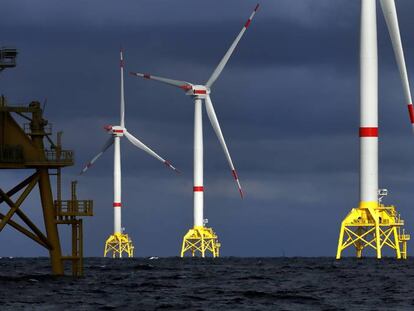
(119, 242)
(200, 238)
(373, 224)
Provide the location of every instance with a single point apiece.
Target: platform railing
(11, 153)
(404, 237)
(59, 156)
(46, 130)
(74, 208)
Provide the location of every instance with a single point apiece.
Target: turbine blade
(136, 142)
(122, 99)
(108, 144)
(216, 73)
(177, 83)
(216, 126)
(391, 18)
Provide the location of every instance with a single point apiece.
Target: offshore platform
(30, 147)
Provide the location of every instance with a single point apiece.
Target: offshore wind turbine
(119, 242)
(200, 238)
(372, 224)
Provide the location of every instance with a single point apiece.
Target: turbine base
(201, 240)
(117, 244)
(374, 227)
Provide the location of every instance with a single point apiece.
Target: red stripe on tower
(118, 131)
(116, 204)
(121, 63)
(247, 23)
(198, 188)
(411, 112)
(368, 132)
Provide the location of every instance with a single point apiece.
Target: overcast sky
(288, 104)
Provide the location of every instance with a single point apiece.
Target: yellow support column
(341, 237)
(203, 246)
(358, 244)
(377, 231)
(398, 250)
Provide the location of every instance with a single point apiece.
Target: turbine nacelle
(200, 91)
(115, 130)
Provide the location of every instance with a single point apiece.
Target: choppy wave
(210, 284)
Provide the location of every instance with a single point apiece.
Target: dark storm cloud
(205, 43)
(287, 102)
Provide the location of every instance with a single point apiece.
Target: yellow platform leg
(202, 240)
(373, 226)
(118, 244)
